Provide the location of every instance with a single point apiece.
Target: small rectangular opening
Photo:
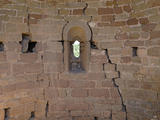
(1, 47)
(32, 115)
(95, 118)
(6, 113)
(134, 51)
(47, 109)
(28, 46)
(32, 47)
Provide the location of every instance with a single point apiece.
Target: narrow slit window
(134, 51)
(47, 109)
(32, 116)
(76, 49)
(6, 113)
(95, 118)
(1, 47)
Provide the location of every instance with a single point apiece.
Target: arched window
(76, 46)
(76, 49)
(75, 58)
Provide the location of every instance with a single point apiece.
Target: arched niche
(76, 31)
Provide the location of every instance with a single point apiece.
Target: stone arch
(76, 30)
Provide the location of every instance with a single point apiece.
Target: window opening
(75, 57)
(28, 46)
(1, 47)
(134, 51)
(95, 118)
(47, 109)
(32, 116)
(76, 49)
(6, 113)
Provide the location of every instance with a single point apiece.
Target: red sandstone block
(112, 75)
(134, 43)
(18, 69)
(107, 83)
(98, 59)
(119, 23)
(154, 51)
(114, 44)
(9, 88)
(108, 18)
(61, 83)
(96, 68)
(109, 3)
(125, 59)
(1, 114)
(31, 21)
(53, 68)
(25, 85)
(78, 12)
(121, 36)
(132, 21)
(5, 68)
(155, 34)
(127, 8)
(102, 11)
(114, 93)
(13, 46)
(29, 58)
(143, 21)
(33, 68)
(37, 16)
(119, 116)
(79, 93)
(96, 76)
(8, 12)
(78, 107)
(109, 67)
(50, 57)
(2, 57)
(148, 27)
(82, 84)
(58, 107)
(118, 10)
(51, 93)
(103, 24)
(99, 93)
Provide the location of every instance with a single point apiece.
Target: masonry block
(154, 51)
(109, 67)
(79, 93)
(99, 93)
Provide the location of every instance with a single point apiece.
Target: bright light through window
(76, 49)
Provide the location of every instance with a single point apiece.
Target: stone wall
(123, 79)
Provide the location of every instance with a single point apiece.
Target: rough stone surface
(117, 86)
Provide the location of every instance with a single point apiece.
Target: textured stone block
(103, 11)
(154, 52)
(99, 93)
(132, 21)
(29, 58)
(82, 84)
(79, 93)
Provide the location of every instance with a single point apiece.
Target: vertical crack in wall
(85, 8)
(47, 109)
(124, 109)
(28, 18)
(93, 46)
(92, 43)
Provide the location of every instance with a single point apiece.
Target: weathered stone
(155, 51)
